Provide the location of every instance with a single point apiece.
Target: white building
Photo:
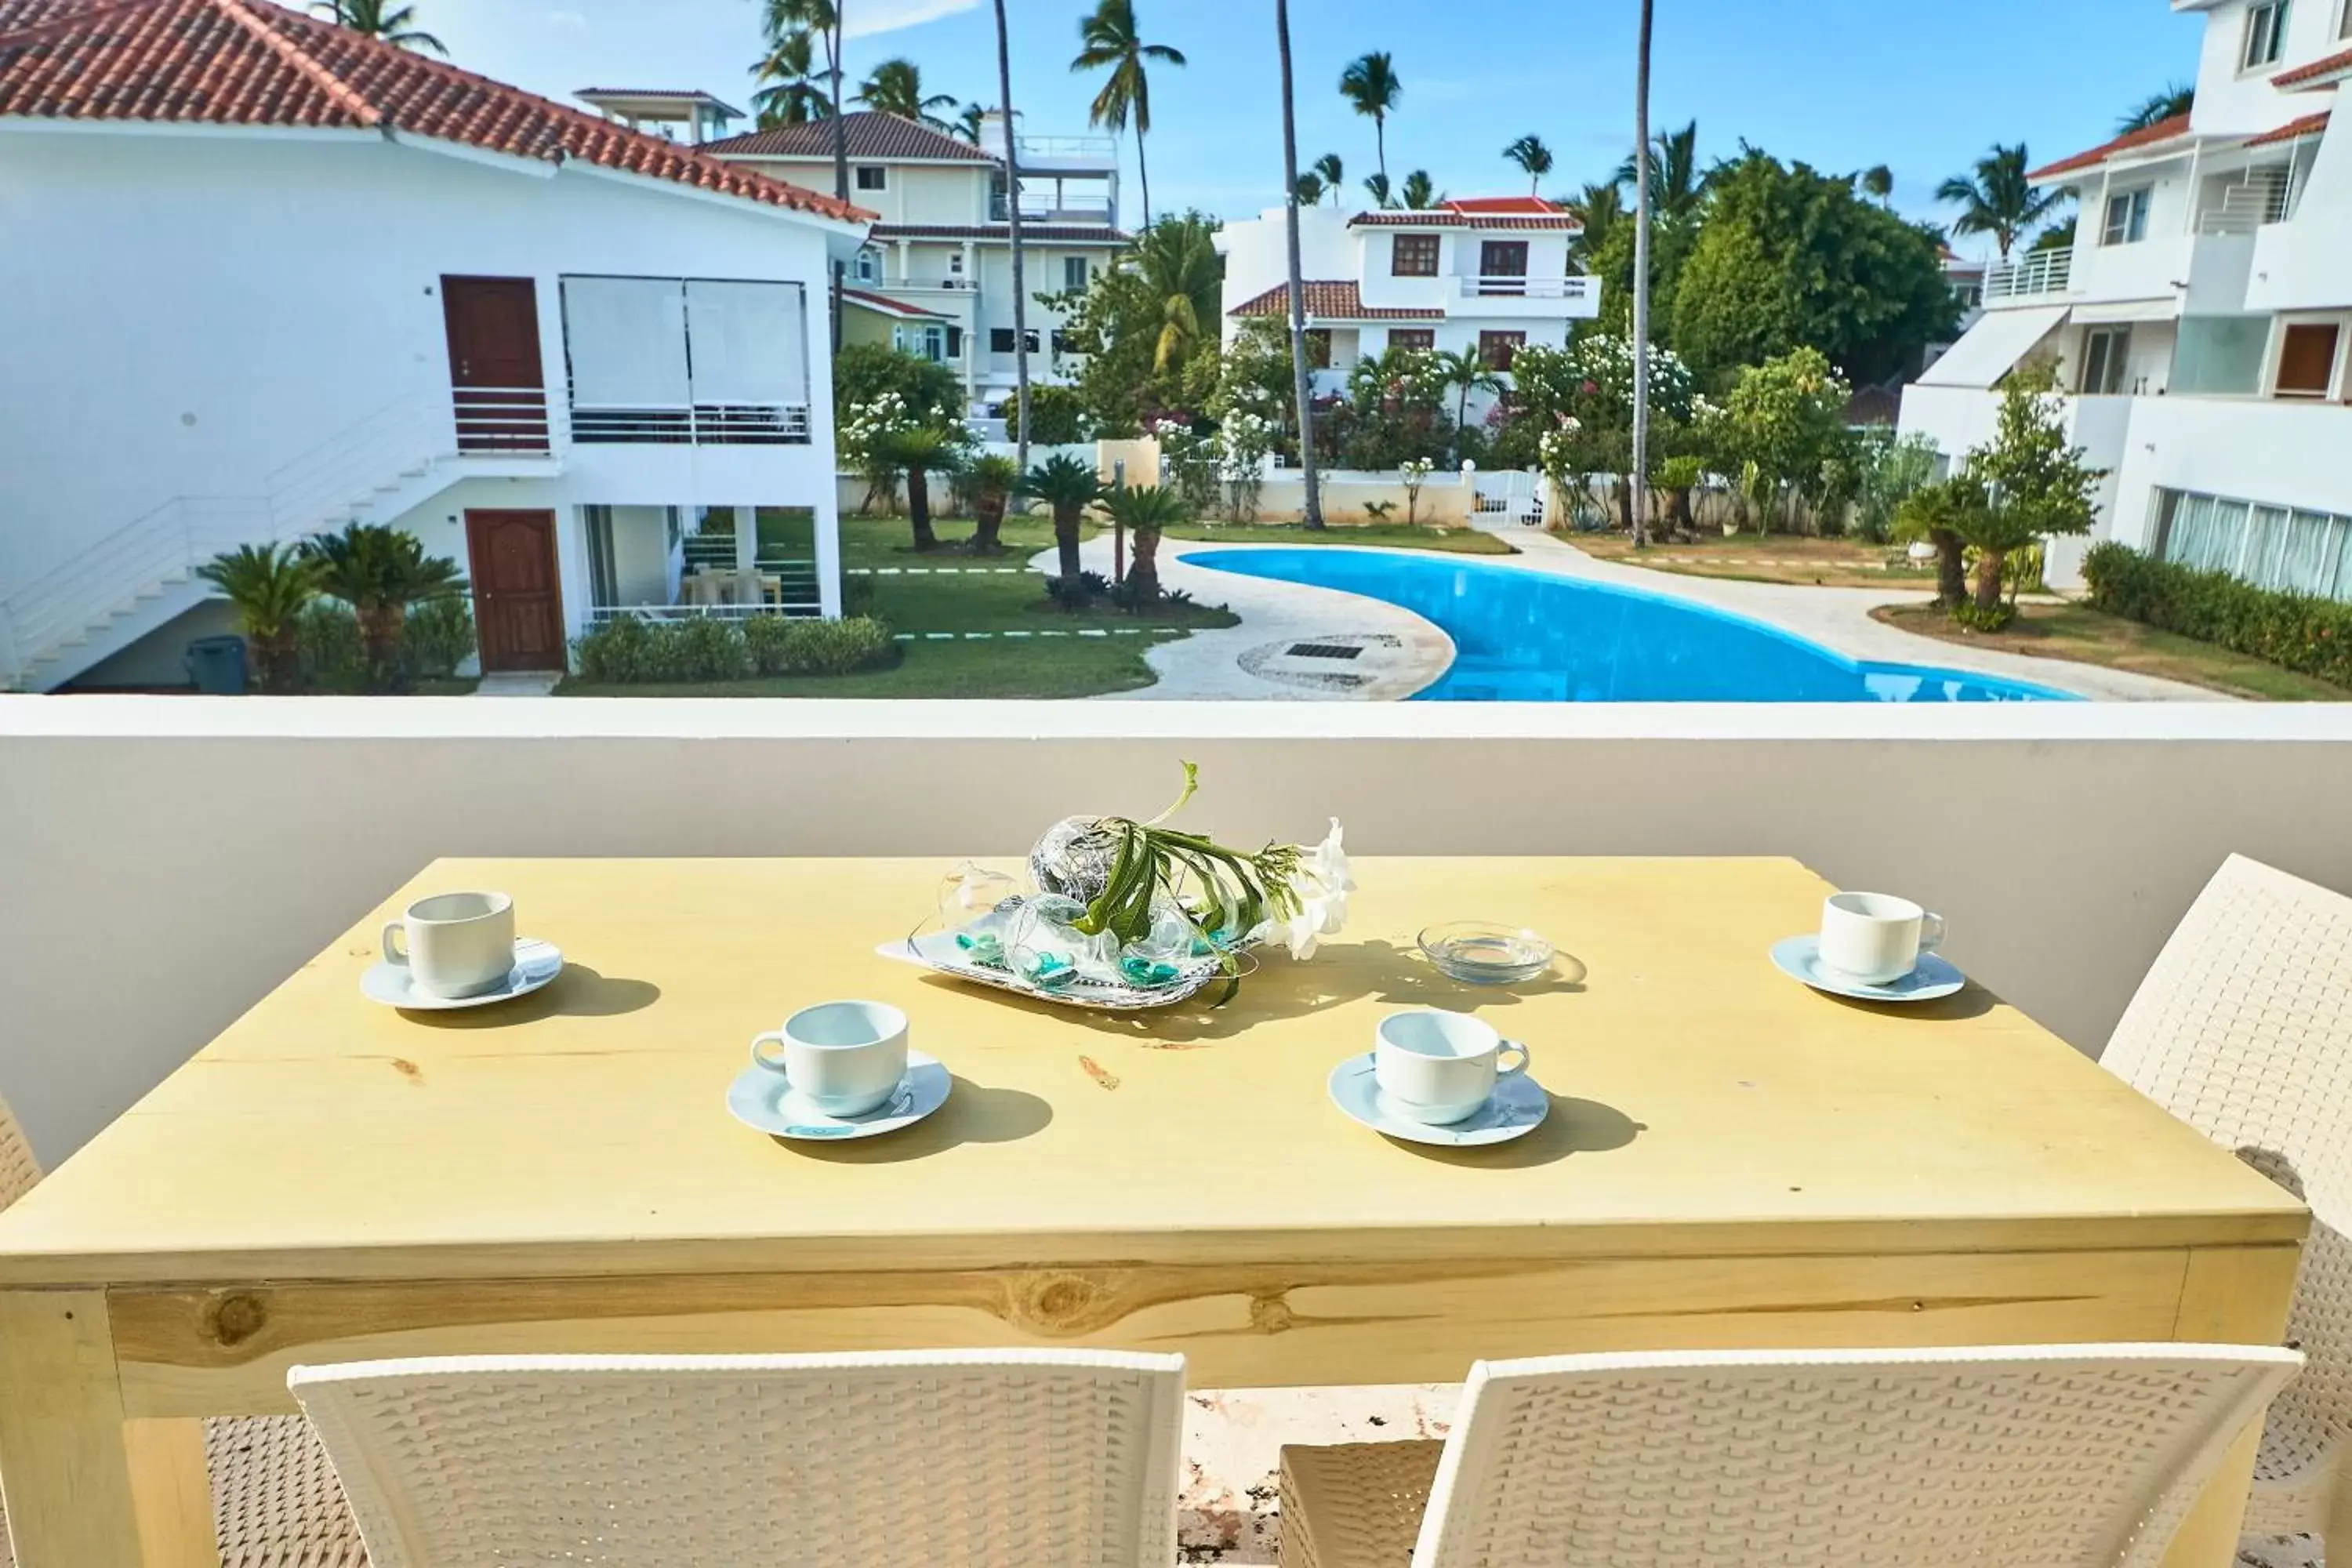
(1490, 275)
(263, 277)
(2201, 322)
(936, 276)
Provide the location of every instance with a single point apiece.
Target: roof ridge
(319, 74)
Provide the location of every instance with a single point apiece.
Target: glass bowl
(1480, 952)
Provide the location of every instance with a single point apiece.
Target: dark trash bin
(216, 665)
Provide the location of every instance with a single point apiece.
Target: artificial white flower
(1327, 862)
(1305, 931)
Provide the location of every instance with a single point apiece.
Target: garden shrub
(327, 655)
(781, 646)
(1058, 416)
(628, 651)
(2294, 631)
(440, 638)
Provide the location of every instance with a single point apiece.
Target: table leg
(2230, 1295)
(173, 1492)
(63, 1466)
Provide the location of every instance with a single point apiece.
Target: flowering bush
(1415, 473)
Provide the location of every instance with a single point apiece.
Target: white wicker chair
(2243, 1030)
(275, 1502)
(996, 1459)
(2047, 1457)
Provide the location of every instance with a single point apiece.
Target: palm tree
(967, 122)
(1177, 260)
(824, 19)
(1420, 193)
(1012, 229)
(1645, 192)
(383, 20)
(2177, 99)
(1301, 387)
(1310, 189)
(1372, 85)
(1878, 183)
(1533, 158)
(1111, 41)
(793, 96)
(269, 587)
(895, 86)
(1676, 183)
(994, 479)
(920, 451)
(1998, 199)
(1145, 512)
(1600, 208)
(1068, 486)
(1465, 371)
(1377, 186)
(1333, 174)
(380, 572)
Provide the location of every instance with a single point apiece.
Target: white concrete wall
(164, 862)
(2288, 454)
(2300, 264)
(2235, 102)
(917, 193)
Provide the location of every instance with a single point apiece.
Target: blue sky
(1842, 84)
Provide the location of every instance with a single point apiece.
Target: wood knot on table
(1063, 1304)
(233, 1318)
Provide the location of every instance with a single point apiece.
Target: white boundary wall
(164, 862)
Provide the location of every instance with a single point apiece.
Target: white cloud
(864, 18)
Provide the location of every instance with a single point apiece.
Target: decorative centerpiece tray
(956, 953)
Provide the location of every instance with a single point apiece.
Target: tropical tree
(384, 20)
(1677, 185)
(269, 587)
(1420, 193)
(1933, 512)
(793, 94)
(1069, 487)
(2171, 102)
(2036, 485)
(1310, 189)
(1878, 184)
(1145, 512)
(967, 122)
(1533, 158)
(1145, 331)
(895, 86)
(1371, 85)
(1462, 372)
(1177, 260)
(1646, 183)
(920, 451)
(821, 18)
(1377, 99)
(1998, 199)
(1377, 187)
(1109, 40)
(381, 572)
(994, 479)
(1333, 174)
(1012, 229)
(1600, 208)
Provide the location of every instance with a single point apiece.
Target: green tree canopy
(1146, 331)
(862, 372)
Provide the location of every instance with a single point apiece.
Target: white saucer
(1518, 1109)
(1799, 958)
(761, 1098)
(536, 963)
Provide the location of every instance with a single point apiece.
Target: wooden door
(518, 599)
(1503, 266)
(495, 375)
(2308, 359)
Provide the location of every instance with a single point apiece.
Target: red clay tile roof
(890, 307)
(1525, 206)
(2330, 69)
(2293, 131)
(1329, 301)
(1475, 212)
(249, 62)
(1031, 233)
(2161, 131)
(870, 134)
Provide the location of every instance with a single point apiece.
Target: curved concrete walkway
(1210, 665)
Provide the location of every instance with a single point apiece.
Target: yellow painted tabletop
(1703, 1103)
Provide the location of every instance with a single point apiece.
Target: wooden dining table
(1730, 1160)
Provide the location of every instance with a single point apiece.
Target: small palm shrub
(269, 587)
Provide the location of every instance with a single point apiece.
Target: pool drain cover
(1323, 650)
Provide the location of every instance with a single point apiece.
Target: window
(2265, 34)
(955, 270)
(1496, 350)
(929, 341)
(955, 342)
(1415, 255)
(686, 360)
(2344, 27)
(873, 177)
(2127, 218)
(869, 268)
(1073, 274)
(2308, 359)
(999, 341)
(1422, 338)
(2220, 356)
(2292, 549)
(2105, 352)
(1503, 266)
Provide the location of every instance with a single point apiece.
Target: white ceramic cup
(1876, 937)
(843, 1057)
(1439, 1068)
(454, 945)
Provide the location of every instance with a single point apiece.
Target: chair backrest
(19, 1169)
(2046, 1456)
(994, 1459)
(2243, 1030)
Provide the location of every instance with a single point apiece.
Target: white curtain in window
(750, 343)
(2304, 558)
(626, 337)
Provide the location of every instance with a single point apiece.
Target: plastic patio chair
(2244, 1029)
(2043, 1457)
(986, 1460)
(275, 1501)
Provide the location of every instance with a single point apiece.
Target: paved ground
(1218, 663)
(520, 683)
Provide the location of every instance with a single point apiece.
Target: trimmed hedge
(627, 651)
(2294, 631)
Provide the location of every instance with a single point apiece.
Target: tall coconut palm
(1372, 85)
(1177, 260)
(1301, 387)
(1676, 183)
(1533, 158)
(2175, 100)
(1465, 371)
(1998, 199)
(1377, 187)
(1420, 193)
(1310, 189)
(1878, 184)
(793, 95)
(967, 122)
(823, 18)
(1333, 174)
(1109, 40)
(384, 20)
(1645, 190)
(1012, 226)
(1600, 208)
(895, 86)
(269, 587)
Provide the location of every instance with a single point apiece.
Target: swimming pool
(1527, 636)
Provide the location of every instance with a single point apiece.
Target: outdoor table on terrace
(1731, 1161)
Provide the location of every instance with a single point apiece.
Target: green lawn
(2085, 636)
(1387, 535)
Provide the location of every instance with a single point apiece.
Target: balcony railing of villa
(1047, 147)
(2264, 196)
(493, 419)
(1517, 286)
(1050, 206)
(2037, 275)
(695, 424)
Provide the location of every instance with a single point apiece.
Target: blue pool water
(1525, 637)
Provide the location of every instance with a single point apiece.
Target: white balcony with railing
(2037, 277)
(1565, 299)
